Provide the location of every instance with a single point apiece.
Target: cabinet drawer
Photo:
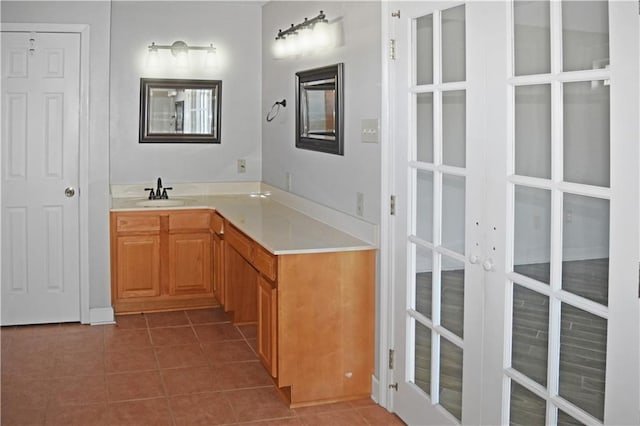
(240, 242)
(265, 262)
(217, 224)
(189, 220)
(137, 223)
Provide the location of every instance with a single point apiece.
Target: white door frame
(83, 160)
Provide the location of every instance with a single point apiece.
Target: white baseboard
(375, 389)
(101, 316)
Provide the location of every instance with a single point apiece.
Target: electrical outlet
(359, 203)
(242, 166)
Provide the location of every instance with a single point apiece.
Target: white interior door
(438, 185)
(40, 146)
(544, 288)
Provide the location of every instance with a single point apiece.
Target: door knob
(487, 265)
(69, 191)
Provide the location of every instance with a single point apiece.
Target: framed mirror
(179, 111)
(319, 109)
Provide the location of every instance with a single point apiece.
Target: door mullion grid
(437, 205)
(557, 172)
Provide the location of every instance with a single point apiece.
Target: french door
(515, 241)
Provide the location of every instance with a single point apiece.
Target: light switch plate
(370, 132)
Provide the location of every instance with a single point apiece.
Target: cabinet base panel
(285, 394)
(137, 306)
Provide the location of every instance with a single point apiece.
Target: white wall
(233, 28)
(96, 15)
(328, 179)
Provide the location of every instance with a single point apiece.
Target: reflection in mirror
(319, 109)
(179, 111)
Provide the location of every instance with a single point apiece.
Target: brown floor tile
(240, 375)
(81, 341)
(31, 330)
(34, 365)
(130, 360)
(131, 321)
(258, 404)
(376, 415)
(79, 364)
(13, 416)
(254, 344)
(217, 332)
(22, 393)
(249, 331)
(79, 390)
(210, 408)
(180, 381)
(172, 336)
(29, 344)
(209, 315)
(167, 319)
(229, 351)
(334, 418)
(180, 356)
(80, 415)
(116, 339)
(151, 412)
(136, 385)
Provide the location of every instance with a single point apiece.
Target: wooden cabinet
(267, 325)
(240, 277)
(314, 314)
(217, 248)
(161, 260)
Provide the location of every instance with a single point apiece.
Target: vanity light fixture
(304, 37)
(180, 50)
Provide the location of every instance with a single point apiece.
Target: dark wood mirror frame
(329, 136)
(177, 135)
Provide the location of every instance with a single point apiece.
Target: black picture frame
(171, 133)
(320, 94)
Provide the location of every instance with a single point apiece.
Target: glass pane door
(431, 311)
(560, 195)
(516, 243)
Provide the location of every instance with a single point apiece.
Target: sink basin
(160, 203)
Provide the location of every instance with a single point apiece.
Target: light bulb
(321, 34)
(182, 59)
(153, 60)
(305, 40)
(279, 48)
(292, 44)
(211, 58)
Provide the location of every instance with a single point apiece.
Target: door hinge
(396, 14)
(394, 387)
(392, 354)
(392, 49)
(392, 205)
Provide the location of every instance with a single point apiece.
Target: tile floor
(176, 368)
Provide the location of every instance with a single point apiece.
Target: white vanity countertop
(276, 227)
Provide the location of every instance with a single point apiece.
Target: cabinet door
(267, 325)
(138, 266)
(241, 281)
(190, 263)
(218, 269)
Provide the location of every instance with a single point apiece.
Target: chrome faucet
(159, 193)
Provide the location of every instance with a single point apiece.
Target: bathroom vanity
(308, 286)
